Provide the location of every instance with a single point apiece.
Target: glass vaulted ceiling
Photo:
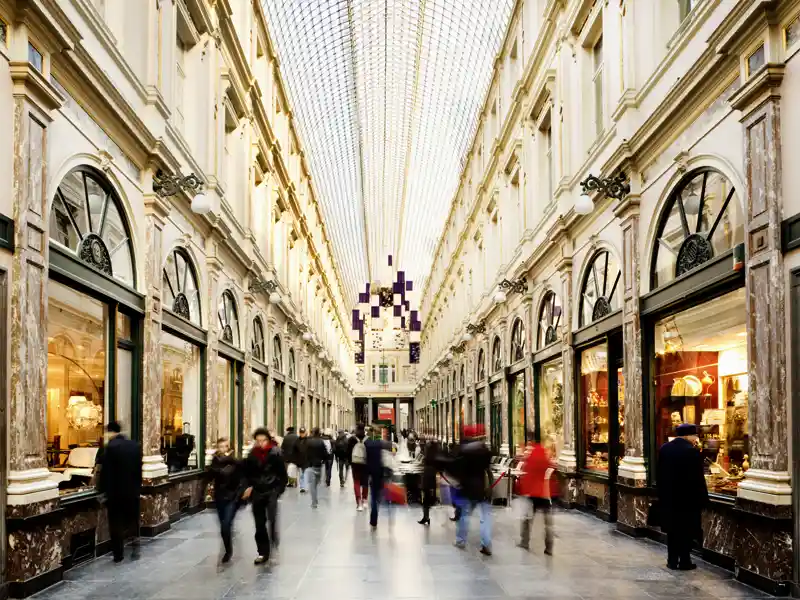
(387, 95)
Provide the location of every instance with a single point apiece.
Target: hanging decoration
(387, 311)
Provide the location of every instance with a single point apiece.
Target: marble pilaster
(759, 101)
(567, 460)
(153, 467)
(212, 400)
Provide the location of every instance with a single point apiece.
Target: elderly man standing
(682, 493)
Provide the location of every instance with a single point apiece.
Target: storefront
(548, 375)
(695, 327)
(599, 384)
(518, 391)
(496, 395)
(228, 375)
(259, 374)
(279, 388)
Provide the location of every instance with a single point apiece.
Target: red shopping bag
(395, 493)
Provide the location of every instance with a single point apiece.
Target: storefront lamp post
(266, 286)
(614, 187)
(169, 185)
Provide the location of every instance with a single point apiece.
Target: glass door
(496, 417)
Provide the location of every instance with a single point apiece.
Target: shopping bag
(395, 493)
(291, 471)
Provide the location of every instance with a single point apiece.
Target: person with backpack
(342, 456)
(358, 465)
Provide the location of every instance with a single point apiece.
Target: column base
(767, 487)
(567, 461)
(31, 486)
(632, 471)
(153, 468)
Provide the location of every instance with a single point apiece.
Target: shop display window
(480, 407)
(180, 403)
(223, 384)
(76, 385)
(701, 377)
(258, 390)
(496, 417)
(518, 403)
(594, 391)
(551, 406)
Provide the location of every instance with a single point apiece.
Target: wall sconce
(168, 185)
(516, 286)
(477, 329)
(266, 286)
(615, 187)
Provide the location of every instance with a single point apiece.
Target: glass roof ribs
(387, 95)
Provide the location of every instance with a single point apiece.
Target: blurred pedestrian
(535, 486)
(120, 479)
(317, 455)
(430, 469)
(682, 494)
(302, 460)
(289, 450)
(228, 487)
(342, 456)
(358, 465)
(266, 478)
(471, 467)
(379, 472)
(327, 439)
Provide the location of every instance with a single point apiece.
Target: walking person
(430, 461)
(317, 455)
(378, 472)
(328, 441)
(266, 479)
(682, 493)
(358, 466)
(535, 485)
(301, 456)
(227, 476)
(120, 479)
(340, 448)
(289, 450)
(471, 467)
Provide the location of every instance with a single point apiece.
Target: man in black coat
(265, 476)
(682, 493)
(120, 479)
(301, 458)
(227, 474)
(289, 450)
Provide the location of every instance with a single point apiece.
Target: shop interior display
(595, 393)
(518, 414)
(701, 378)
(76, 372)
(180, 403)
(551, 406)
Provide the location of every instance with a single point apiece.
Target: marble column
(632, 469)
(767, 480)
(247, 374)
(156, 210)
(567, 460)
(214, 266)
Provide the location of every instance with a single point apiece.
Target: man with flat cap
(682, 492)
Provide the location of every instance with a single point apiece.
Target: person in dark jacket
(301, 456)
(341, 451)
(265, 476)
(120, 479)
(682, 494)
(535, 485)
(227, 474)
(431, 468)
(471, 468)
(377, 473)
(289, 451)
(357, 456)
(317, 455)
(327, 439)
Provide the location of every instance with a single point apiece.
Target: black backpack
(341, 445)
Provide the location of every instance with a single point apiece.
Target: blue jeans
(302, 480)
(226, 511)
(313, 476)
(462, 527)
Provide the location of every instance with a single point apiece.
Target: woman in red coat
(535, 485)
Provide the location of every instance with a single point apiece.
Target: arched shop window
(517, 341)
(277, 354)
(601, 290)
(179, 286)
(481, 365)
(702, 220)
(92, 339)
(497, 355)
(292, 365)
(699, 351)
(549, 320)
(181, 364)
(257, 343)
(228, 319)
(463, 377)
(87, 217)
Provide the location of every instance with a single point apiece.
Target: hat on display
(685, 429)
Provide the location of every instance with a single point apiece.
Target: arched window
(228, 318)
(497, 355)
(454, 381)
(549, 320)
(481, 365)
(257, 342)
(179, 286)
(463, 377)
(517, 341)
(702, 219)
(87, 217)
(601, 290)
(308, 379)
(277, 354)
(292, 366)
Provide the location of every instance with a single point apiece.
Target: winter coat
(534, 472)
(265, 474)
(226, 472)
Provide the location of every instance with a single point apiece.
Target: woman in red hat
(535, 485)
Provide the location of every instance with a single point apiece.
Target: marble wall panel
(34, 551)
(154, 509)
(632, 509)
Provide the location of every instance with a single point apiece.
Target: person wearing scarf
(266, 478)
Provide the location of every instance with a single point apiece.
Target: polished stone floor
(331, 553)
